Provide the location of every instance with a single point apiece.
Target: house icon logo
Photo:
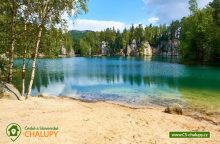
(13, 131)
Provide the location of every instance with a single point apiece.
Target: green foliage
(193, 6)
(27, 27)
(139, 34)
(85, 43)
(116, 39)
(92, 41)
(85, 48)
(52, 40)
(216, 11)
(3, 66)
(200, 36)
(174, 27)
(77, 35)
(4, 26)
(30, 12)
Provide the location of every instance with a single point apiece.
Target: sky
(122, 13)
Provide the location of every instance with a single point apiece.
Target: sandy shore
(98, 123)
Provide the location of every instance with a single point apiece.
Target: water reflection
(138, 80)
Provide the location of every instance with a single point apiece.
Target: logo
(13, 131)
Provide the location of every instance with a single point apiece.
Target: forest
(31, 27)
(198, 35)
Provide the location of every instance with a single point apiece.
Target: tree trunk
(34, 62)
(43, 18)
(24, 62)
(13, 41)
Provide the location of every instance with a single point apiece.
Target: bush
(3, 66)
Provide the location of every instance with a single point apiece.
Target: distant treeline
(198, 35)
(89, 42)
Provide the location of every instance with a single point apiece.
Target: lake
(132, 80)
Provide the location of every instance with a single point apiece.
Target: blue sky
(123, 13)
(127, 11)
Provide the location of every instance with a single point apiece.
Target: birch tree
(13, 11)
(26, 11)
(48, 13)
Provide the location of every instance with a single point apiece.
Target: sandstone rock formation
(71, 53)
(8, 91)
(174, 109)
(132, 49)
(104, 48)
(64, 52)
(147, 50)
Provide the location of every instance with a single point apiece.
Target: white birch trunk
(24, 63)
(34, 63)
(43, 17)
(13, 41)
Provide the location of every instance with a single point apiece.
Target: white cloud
(153, 20)
(158, 11)
(168, 10)
(97, 25)
(89, 24)
(94, 25)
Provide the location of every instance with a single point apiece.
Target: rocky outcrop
(41, 55)
(104, 48)
(170, 48)
(147, 50)
(173, 48)
(122, 52)
(66, 53)
(144, 49)
(63, 50)
(134, 45)
(71, 53)
(8, 91)
(174, 109)
(128, 50)
(132, 49)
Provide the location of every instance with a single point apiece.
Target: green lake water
(128, 79)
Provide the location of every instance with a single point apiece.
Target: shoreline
(188, 111)
(99, 122)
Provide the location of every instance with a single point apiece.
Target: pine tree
(193, 6)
